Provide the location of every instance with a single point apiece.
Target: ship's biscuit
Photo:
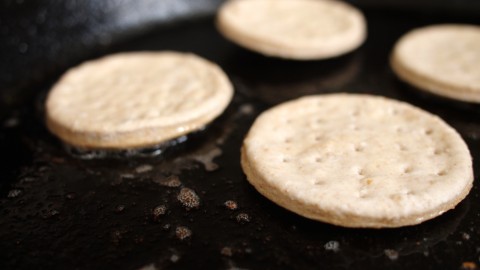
(441, 59)
(295, 29)
(357, 161)
(132, 100)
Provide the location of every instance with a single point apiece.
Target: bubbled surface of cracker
(297, 29)
(442, 59)
(357, 161)
(136, 99)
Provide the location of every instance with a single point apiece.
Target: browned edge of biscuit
(139, 138)
(349, 220)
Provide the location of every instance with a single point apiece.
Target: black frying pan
(60, 211)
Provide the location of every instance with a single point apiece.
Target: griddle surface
(62, 212)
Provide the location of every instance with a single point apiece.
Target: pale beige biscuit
(131, 100)
(295, 29)
(357, 161)
(442, 59)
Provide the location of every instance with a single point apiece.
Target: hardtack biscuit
(132, 100)
(441, 59)
(357, 161)
(295, 29)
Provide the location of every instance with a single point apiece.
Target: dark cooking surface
(61, 212)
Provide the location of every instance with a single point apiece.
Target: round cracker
(294, 29)
(357, 161)
(140, 99)
(441, 59)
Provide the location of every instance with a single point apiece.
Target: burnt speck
(158, 212)
(183, 233)
(119, 208)
(14, 193)
(143, 168)
(391, 254)
(332, 246)
(171, 181)
(226, 251)
(231, 205)
(243, 218)
(188, 198)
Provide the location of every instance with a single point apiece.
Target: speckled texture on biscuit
(357, 160)
(136, 99)
(441, 59)
(295, 29)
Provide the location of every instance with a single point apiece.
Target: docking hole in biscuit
(373, 177)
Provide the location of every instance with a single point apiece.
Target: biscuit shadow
(274, 80)
(432, 101)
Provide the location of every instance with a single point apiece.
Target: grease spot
(143, 168)
(243, 218)
(231, 205)
(171, 181)
(188, 198)
(332, 246)
(207, 159)
(158, 212)
(391, 254)
(183, 232)
(119, 208)
(226, 251)
(14, 193)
